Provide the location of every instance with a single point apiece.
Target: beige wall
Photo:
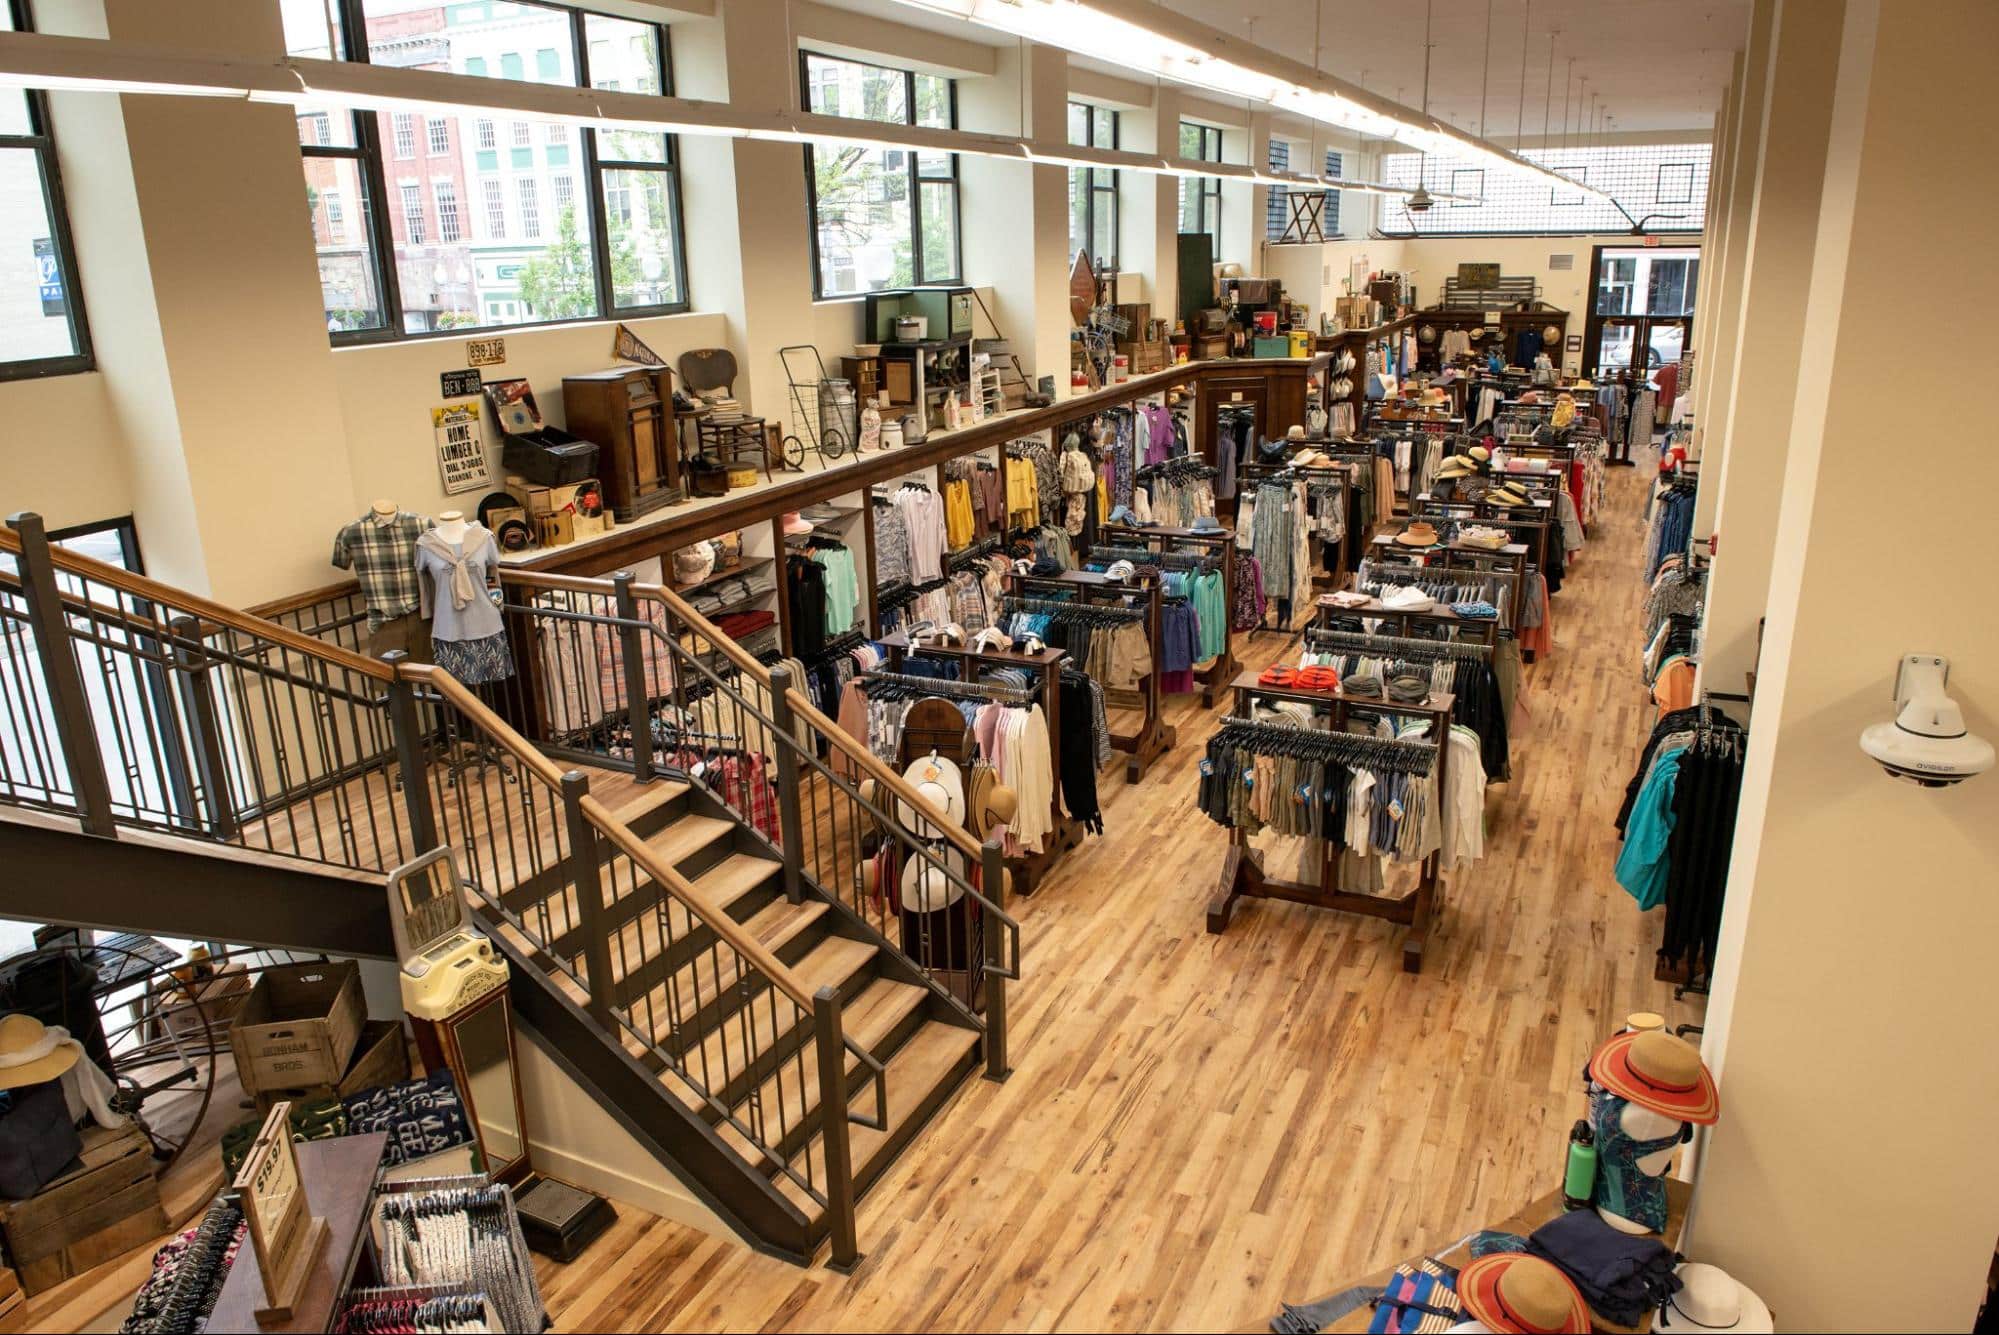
(1851, 1179)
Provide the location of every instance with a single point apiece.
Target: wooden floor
(1200, 1126)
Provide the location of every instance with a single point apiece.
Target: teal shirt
(1642, 866)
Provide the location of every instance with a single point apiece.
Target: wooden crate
(382, 1057)
(105, 1206)
(299, 1025)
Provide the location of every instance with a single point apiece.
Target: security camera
(1927, 743)
(1419, 201)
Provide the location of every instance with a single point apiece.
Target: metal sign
(461, 452)
(1478, 277)
(48, 277)
(459, 384)
(486, 351)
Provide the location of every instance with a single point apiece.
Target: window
(447, 211)
(496, 210)
(1277, 208)
(530, 209)
(1201, 196)
(881, 218)
(1335, 168)
(1640, 177)
(436, 250)
(412, 214)
(1468, 181)
(1093, 192)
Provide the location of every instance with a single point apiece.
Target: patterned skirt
(474, 661)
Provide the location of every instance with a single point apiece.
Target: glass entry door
(1623, 341)
(1641, 305)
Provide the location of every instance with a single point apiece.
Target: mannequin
(1635, 1146)
(457, 565)
(380, 548)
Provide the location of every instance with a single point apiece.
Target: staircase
(671, 846)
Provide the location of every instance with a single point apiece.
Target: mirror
(483, 1040)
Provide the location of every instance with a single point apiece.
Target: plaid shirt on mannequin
(382, 555)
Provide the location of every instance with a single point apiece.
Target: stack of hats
(1456, 466)
(1509, 493)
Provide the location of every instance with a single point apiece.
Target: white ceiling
(1655, 65)
(1652, 64)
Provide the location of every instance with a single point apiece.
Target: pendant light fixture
(1419, 201)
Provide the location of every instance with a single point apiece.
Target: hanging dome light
(1419, 201)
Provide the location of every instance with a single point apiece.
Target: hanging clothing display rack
(1181, 548)
(1243, 874)
(1091, 598)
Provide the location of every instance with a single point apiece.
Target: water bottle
(1579, 1178)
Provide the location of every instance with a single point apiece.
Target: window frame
(40, 140)
(373, 156)
(1091, 189)
(1206, 188)
(916, 179)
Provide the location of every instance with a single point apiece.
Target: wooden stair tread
(916, 1071)
(742, 1039)
(791, 1094)
(683, 838)
(726, 883)
(703, 980)
(627, 798)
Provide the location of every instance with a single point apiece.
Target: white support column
(1742, 197)
(1783, 224)
(1851, 1016)
(1015, 214)
(1712, 232)
(1151, 203)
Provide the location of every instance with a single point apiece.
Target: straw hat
(796, 525)
(1454, 467)
(1710, 1298)
(1419, 534)
(1295, 433)
(1480, 454)
(1658, 1071)
(1522, 1295)
(31, 1053)
(992, 803)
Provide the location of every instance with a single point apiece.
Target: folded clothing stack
(1622, 1276)
(1476, 611)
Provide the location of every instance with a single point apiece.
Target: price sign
(283, 1232)
(486, 351)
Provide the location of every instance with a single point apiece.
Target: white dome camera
(1926, 743)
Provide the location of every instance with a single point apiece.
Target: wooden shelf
(743, 567)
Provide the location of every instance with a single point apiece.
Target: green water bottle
(1579, 1179)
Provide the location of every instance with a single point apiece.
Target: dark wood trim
(669, 531)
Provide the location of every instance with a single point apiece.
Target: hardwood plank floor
(1200, 1126)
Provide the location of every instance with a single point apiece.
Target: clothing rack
(1405, 573)
(1212, 545)
(1340, 474)
(1086, 589)
(1404, 646)
(1532, 533)
(1459, 629)
(1028, 869)
(1456, 556)
(1243, 875)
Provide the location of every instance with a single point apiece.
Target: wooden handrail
(277, 607)
(210, 611)
(669, 878)
(801, 704)
(725, 927)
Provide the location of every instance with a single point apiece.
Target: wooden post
(410, 741)
(832, 1053)
(69, 704)
(790, 822)
(638, 701)
(993, 877)
(584, 877)
(197, 695)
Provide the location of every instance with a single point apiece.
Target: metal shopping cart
(828, 418)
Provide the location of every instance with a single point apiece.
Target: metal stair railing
(222, 726)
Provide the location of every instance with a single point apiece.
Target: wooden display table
(339, 1179)
(1523, 1221)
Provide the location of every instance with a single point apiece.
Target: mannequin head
(451, 524)
(383, 507)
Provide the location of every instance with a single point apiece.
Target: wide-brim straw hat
(1658, 1071)
(1522, 1295)
(26, 1054)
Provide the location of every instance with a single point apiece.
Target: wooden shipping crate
(382, 1057)
(299, 1026)
(105, 1206)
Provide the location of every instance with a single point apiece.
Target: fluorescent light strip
(1131, 33)
(76, 64)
